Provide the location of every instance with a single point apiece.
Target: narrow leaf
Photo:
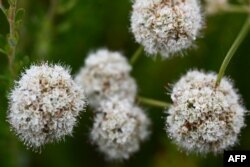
(3, 51)
(19, 15)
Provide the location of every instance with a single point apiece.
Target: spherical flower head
(118, 129)
(106, 74)
(44, 105)
(165, 26)
(214, 6)
(204, 118)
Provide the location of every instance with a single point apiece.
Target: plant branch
(12, 39)
(242, 34)
(136, 55)
(153, 102)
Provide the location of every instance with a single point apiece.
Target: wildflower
(118, 129)
(44, 105)
(165, 26)
(204, 118)
(106, 74)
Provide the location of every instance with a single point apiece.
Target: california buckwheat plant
(166, 26)
(204, 118)
(127, 116)
(45, 104)
(118, 128)
(106, 74)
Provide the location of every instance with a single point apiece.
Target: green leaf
(2, 8)
(3, 51)
(12, 2)
(19, 16)
(65, 6)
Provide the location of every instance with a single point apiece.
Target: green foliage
(19, 16)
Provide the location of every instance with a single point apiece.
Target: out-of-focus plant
(47, 28)
(14, 17)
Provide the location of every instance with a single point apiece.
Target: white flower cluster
(204, 118)
(119, 126)
(118, 129)
(106, 74)
(164, 26)
(214, 6)
(44, 105)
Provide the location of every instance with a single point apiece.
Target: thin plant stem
(235, 8)
(136, 55)
(12, 37)
(12, 40)
(153, 102)
(242, 34)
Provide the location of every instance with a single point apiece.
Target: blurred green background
(65, 31)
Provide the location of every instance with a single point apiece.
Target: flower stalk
(235, 8)
(153, 102)
(136, 55)
(242, 34)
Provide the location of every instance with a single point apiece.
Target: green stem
(153, 102)
(235, 8)
(242, 34)
(136, 55)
